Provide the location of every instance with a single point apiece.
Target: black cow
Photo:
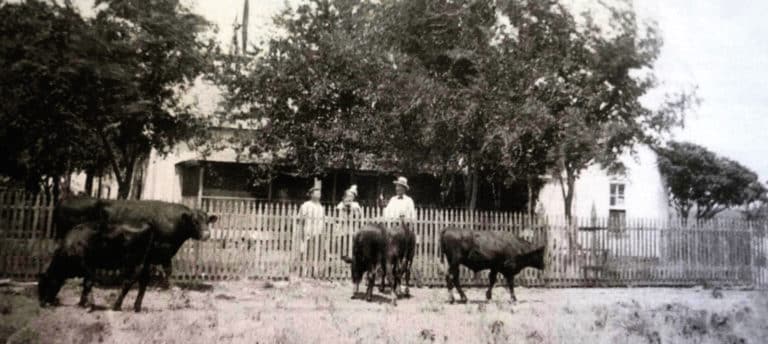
(90, 246)
(401, 247)
(169, 224)
(163, 217)
(70, 212)
(391, 250)
(369, 247)
(498, 251)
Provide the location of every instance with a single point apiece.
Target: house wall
(163, 178)
(645, 191)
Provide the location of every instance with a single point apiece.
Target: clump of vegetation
(427, 335)
(497, 332)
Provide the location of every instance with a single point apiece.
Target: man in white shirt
(400, 206)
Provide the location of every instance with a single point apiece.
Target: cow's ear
(212, 219)
(347, 260)
(187, 218)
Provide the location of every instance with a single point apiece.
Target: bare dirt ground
(322, 312)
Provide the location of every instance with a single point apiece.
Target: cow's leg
(357, 287)
(491, 282)
(129, 275)
(394, 279)
(383, 277)
(408, 278)
(371, 280)
(449, 285)
(86, 298)
(454, 271)
(510, 277)
(167, 268)
(143, 281)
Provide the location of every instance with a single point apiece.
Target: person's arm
(411, 211)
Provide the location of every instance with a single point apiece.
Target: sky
(718, 46)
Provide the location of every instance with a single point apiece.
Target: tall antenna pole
(245, 27)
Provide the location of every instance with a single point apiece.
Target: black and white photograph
(383, 171)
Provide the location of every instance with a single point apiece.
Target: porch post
(200, 175)
(333, 194)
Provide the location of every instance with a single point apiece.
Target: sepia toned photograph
(383, 171)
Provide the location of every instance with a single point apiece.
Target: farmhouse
(189, 173)
(640, 192)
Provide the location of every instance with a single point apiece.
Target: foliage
(699, 179)
(505, 90)
(42, 50)
(98, 92)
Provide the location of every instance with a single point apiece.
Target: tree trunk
(124, 184)
(56, 188)
(568, 200)
(531, 196)
(89, 182)
(470, 189)
(566, 187)
(123, 189)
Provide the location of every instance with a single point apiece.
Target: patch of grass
(94, 333)
(498, 333)
(6, 307)
(287, 336)
(434, 305)
(427, 335)
(25, 335)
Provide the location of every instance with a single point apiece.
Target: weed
(427, 335)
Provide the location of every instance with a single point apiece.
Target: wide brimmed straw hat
(402, 181)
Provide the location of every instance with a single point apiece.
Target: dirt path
(321, 312)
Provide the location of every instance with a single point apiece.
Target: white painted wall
(162, 179)
(645, 194)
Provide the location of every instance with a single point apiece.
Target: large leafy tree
(97, 94)
(43, 59)
(591, 79)
(308, 92)
(504, 90)
(706, 183)
(161, 48)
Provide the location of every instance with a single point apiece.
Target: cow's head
(356, 269)
(533, 259)
(48, 286)
(537, 258)
(197, 222)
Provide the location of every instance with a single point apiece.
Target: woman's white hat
(353, 190)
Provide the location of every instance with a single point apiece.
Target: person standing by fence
(348, 207)
(348, 213)
(310, 225)
(400, 206)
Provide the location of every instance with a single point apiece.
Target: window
(617, 219)
(617, 195)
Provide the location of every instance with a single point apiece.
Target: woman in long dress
(350, 213)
